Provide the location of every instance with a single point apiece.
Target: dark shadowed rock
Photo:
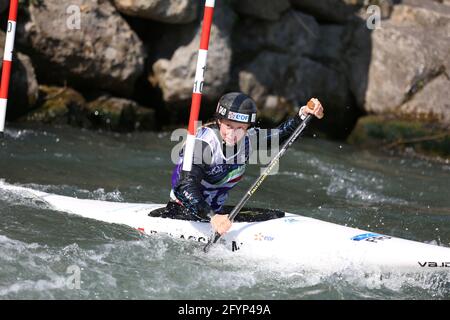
(430, 103)
(296, 59)
(59, 105)
(4, 4)
(341, 11)
(329, 10)
(85, 42)
(117, 114)
(385, 132)
(169, 11)
(262, 9)
(409, 54)
(295, 33)
(175, 76)
(23, 86)
(293, 82)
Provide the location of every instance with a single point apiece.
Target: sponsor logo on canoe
(433, 264)
(182, 236)
(371, 237)
(260, 237)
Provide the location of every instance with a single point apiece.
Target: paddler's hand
(220, 223)
(314, 107)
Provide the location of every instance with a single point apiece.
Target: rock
(341, 11)
(430, 103)
(403, 58)
(293, 82)
(175, 77)
(294, 33)
(382, 132)
(330, 47)
(117, 114)
(358, 56)
(391, 65)
(168, 11)
(263, 53)
(59, 105)
(369, 9)
(144, 119)
(23, 87)
(261, 80)
(263, 9)
(87, 43)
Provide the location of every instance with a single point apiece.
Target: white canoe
(303, 241)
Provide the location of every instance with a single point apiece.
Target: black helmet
(236, 106)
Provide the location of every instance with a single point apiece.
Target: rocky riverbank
(129, 65)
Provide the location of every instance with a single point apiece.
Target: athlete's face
(232, 132)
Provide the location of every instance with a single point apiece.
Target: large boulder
(328, 10)
(296, 59)
(395, 68)
(341, 11)
(296, 81)
(168, 11)
(86, 43)
(59, 105)
(425, 13)
(23, 87)
(118, 114)
(295, 33)
(265, 57)
(262, 9)
(175, 76)
(430, 103)
(64, 105)
(4, 4)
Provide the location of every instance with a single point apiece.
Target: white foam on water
(18, 197)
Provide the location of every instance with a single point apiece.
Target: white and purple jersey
(217, 168)
(222, 166)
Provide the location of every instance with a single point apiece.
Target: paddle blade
(210, 243)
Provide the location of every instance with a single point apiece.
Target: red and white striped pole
(7, 61)
(198, 84)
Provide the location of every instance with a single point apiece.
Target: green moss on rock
(381, 132)
(56, 105)
(121, 115)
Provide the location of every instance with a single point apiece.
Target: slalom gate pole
(198, 84)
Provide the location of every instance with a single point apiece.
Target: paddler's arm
(188, 192)
(188, 189)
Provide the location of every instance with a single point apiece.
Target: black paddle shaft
(262, 177)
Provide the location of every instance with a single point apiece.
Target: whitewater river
(40, 248)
